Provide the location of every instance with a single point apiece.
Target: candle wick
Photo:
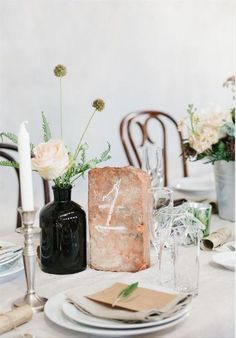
(23, 126)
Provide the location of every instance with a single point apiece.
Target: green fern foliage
(10, 136)
(46, 129)
(12, 164)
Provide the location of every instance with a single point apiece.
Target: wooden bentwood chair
(142, 120)
(5, 155)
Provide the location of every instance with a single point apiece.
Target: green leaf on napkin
(125, 293)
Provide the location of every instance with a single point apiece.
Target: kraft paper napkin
(153, 305)
(141, 299)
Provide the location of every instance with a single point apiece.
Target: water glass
(152, 163)
(185, 257)
(185, 248)
(181, 249)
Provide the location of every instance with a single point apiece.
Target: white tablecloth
(212, 311)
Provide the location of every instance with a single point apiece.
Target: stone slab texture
(119, 219)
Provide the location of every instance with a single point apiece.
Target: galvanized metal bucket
(225, 189)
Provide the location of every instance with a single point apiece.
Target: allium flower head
(98, 104)
(60, 71)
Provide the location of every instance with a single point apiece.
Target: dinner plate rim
(124, 326)
(67, 323)
(220, 254)
(6, 273)
(11, 259)
(174, 184)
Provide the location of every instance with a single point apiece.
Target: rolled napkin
(10, 320)
(167, 305)
(216, 239)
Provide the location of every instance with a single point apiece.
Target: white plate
(10, 258)
(229, 246)
(73, 313)
(53, 311)
(11, 270)
(200, 184)
(226, 259)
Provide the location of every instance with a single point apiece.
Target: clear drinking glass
(185, 257)
(159, 229)
(165, 221)
(183, 244)
(152, 163)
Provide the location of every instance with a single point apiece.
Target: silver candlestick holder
(29, 258)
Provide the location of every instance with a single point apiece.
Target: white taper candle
(25, 169)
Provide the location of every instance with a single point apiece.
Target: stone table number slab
(119, 219)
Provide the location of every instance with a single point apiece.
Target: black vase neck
(62, 194)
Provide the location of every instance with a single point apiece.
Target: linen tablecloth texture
(211, 315)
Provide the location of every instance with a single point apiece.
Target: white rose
(51, 159)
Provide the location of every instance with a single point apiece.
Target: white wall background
(136, 54)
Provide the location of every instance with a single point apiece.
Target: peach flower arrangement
(210, 133)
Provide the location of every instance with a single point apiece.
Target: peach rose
(51, 159)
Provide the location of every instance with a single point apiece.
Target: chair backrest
(143, 119)
(4, 147)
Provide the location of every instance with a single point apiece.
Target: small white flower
(181, 124)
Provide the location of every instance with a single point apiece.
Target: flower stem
(191, 121)
(81, 139)
(61, 115)
(76, 178)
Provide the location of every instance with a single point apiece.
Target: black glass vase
(63, 235)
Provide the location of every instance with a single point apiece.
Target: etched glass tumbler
(183, 244)
(164, 220)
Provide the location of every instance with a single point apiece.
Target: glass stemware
(160, 229)
(152, 163)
